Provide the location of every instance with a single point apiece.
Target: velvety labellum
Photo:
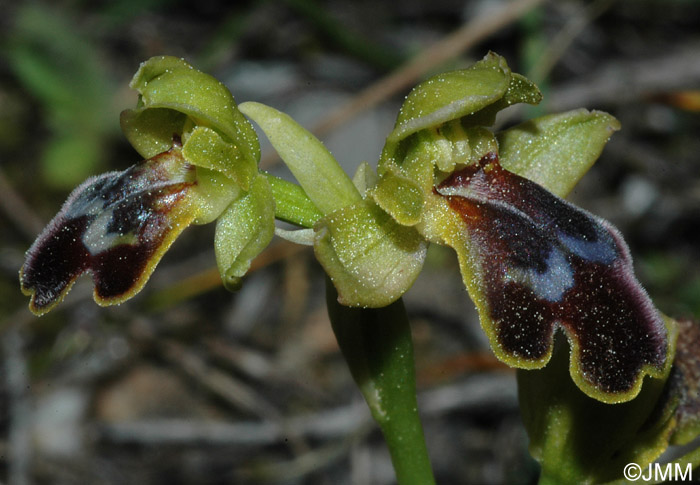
(541, 262)
(117, 226)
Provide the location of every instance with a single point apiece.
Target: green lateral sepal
(371, 259)
(244, 229)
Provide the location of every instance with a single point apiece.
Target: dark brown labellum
(117, 226)
(544, 263)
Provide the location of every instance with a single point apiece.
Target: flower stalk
(378, 348)
(539, 269)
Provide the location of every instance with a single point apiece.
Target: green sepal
(318, 173)
(555, 151)
(244, 229)
(577, 439)
(371, 259)
(447, 97)
(175, 97)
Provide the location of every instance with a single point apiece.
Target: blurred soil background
(190, 384)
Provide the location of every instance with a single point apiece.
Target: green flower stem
(377, 345)
(291, 202)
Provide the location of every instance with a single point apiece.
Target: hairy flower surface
(201, 166)
(533, 262)
(117, 226)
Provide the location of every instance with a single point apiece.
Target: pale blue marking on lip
(602, 250)
(551, 284)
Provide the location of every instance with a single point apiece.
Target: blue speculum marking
(114, 226)
(550, 284)
(602, 250)
(544, 263)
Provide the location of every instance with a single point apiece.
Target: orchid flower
(533, 263)
(201, 166)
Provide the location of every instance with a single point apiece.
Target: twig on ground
(619, 81)
(258, 365)
(559, 44)
(492, 391)
(411, 72)
(448, 48)
(225, 386)
(305, 464)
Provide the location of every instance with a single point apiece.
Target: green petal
(555, 151)
(370, 258)
(173, 93)
(520, 90)
(206, 148)
(452, 95)
(243, 231)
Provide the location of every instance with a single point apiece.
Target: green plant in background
(532, 263)
(64, 73)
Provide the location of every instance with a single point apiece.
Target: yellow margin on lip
(448, 229)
